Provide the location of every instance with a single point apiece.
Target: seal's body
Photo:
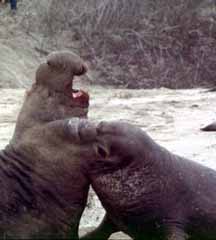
(147, 192)
(43, 191)
(209, 128)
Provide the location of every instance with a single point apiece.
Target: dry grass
(136, 44)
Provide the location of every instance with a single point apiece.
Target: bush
(137, 44)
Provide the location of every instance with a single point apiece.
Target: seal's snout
(57, 75)
(87, 130)
(82, 70)
(82, 130)
(67, 61)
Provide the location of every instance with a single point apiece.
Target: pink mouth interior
(80, 96)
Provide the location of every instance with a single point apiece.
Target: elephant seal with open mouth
(43, 190)
(147, 192)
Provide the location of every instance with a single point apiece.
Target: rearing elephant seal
(148, 192)
(43, 190)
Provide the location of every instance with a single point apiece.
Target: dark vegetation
(135, 44)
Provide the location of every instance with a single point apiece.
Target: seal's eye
(102, 151)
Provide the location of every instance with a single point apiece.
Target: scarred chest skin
(148, 192)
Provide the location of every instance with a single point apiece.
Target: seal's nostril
(101, 152)
(82, 70)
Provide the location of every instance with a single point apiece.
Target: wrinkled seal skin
(43, 190)
(210, 128)
(148, 192)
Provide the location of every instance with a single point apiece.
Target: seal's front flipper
(176, 233)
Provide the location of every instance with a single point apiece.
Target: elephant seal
(147, 192)
(43, 190)
(209, 128)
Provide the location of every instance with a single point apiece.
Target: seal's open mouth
(79, 98)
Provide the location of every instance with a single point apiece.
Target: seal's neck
(16, 184)
(30, 115)
(23, 203)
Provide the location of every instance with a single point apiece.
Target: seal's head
(52, 95)
(53, 90)
(57, 75)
